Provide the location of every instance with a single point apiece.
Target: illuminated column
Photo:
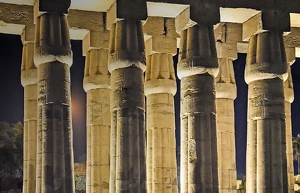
(197, 69)
(96, 83)
(266, 68)
(225, 95)
(160, 88)
(289, 98)
(29, 82)
(53, 58)
(126, 65)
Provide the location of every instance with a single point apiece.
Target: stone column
(126, 65)
(29, 82)
(160, 88)
(266, 68)
(289, 98)
(53, 58)
(225, 95)
(96, 83)
(197, 69)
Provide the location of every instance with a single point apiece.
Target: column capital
(28, 33)
(269, 63)
(28, 69)
(126, 10)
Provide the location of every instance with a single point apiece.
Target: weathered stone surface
(266, 164)
(29, 82)
(52, 41)
(17, 14)
(96, 83)
(229, 32)
(127, 150)
(197, 54)
(55, 142)
(269, 63)
(127, 47)
(197, 67)
(95, 40)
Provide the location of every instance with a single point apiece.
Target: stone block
(160, 26)
(126, 10)
(292, 39)
(275, 20)
(54, 6)
(252, 26)
(28, 34)
(228, 32)
(226, 50)
(183, 21)
(290, 55)
(160, 44)
(95, 40)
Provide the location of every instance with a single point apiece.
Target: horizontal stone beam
(16, 14)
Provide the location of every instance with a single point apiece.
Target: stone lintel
(226, 50)
(95, 40)
(126, 9)
(28, 34)
(228, 32)
(292, 39)
(252, 26)
(16, 14)
(90, 20)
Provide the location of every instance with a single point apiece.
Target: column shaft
(160, 88)
(197, 68)
(127, 63)
(97, 86)
(55, 142)
(29, 81)
(266, 143)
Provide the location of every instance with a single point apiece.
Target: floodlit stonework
(130, 84)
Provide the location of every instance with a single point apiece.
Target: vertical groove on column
(29, 82)
(97, 85)
(197, 68)
(265, 69)
(126, 64)
(55, 142)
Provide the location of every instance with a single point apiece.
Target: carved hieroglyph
(197, 68)
(55, 141)
(266, 68)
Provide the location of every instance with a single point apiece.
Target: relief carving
(17, 16)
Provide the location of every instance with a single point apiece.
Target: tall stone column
(126, 65)
(53, 58)
(29, 82)
(96, 83)
(266, 68)
(197, 69)
(160, 88)
(225, 96)
(289, 98)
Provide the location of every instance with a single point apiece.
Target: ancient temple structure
(130, 82)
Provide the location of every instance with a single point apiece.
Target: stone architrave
(53, 58)
(29, 82)
(266, 69)
(160, 88)
(225, 96)
(289, 98)
(127, 65)
(96, 83)
(197, 69)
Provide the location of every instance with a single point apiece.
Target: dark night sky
(11, 96)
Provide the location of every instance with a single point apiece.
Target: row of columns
(124, 155)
